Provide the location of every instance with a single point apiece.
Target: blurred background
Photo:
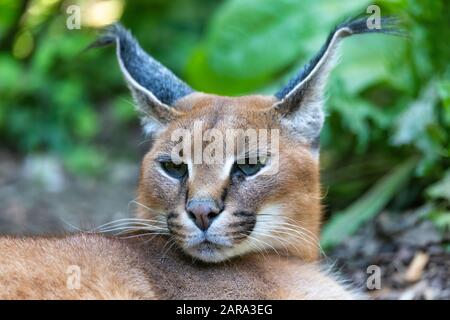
(70, 141)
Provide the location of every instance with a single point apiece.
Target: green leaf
(444, 94)
(412, 124)
(123, 109)
(347, 222)
(84, 159)
(10, 72)
(440, 218)
(253, 40)
(357, 115)
(441, 189)
(367, 60)
(86, 124)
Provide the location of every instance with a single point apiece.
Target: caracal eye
(249, 168)
(174, 170)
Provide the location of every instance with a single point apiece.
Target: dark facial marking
(247, 222)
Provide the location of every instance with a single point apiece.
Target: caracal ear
(300, 105)
(154, 87)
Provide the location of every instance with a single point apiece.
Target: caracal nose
(202, 212)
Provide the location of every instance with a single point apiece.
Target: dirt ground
(35, 202)
(410, 253)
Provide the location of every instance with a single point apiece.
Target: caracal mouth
(208, 250)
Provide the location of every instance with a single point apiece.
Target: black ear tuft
(143, 69)
(301, 100)
(389, 25)
(154, 87)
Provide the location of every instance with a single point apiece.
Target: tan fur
(39, 268)
(120, 269)
(112, 268)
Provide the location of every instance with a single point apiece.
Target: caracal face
(257, 194)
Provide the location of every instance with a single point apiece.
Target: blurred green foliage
(389, 97)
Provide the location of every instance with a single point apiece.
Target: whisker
(123, 220)
(72, 226)
(295, 224)
(129, 229)
(264, 242)
(170, 247)
(307, 233)
(283, 241)
(145, 207)
(133, 224)
(132, 227)
(289, 227)
(298, 233)
(260, 250)
(142, 235)
(294, 230)
(262, 234)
